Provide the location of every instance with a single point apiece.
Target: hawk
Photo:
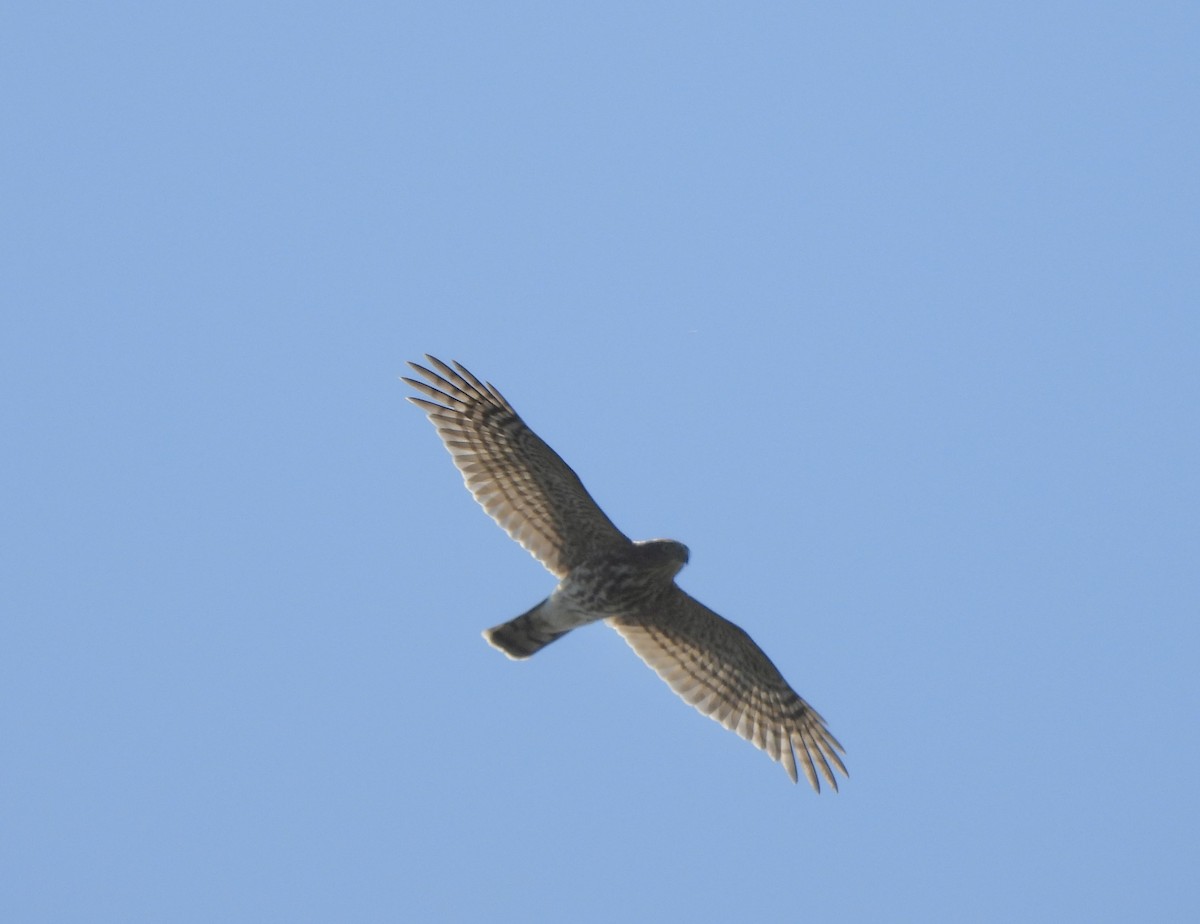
(602, 575)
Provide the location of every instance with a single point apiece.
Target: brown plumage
(535, 496)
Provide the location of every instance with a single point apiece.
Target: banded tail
(524, 636)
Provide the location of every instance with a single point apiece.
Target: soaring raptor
(526, 488)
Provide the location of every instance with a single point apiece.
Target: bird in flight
(534, 495)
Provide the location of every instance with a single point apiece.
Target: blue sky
(890, 312)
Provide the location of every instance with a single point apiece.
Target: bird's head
(663, 554)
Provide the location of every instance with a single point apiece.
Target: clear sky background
(891, 312)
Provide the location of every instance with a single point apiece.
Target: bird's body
(625, 582)
(603, 575)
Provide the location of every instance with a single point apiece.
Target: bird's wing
(521, 482)
(719, 669)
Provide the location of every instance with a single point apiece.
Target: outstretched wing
(717, 668)
(521, 482)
